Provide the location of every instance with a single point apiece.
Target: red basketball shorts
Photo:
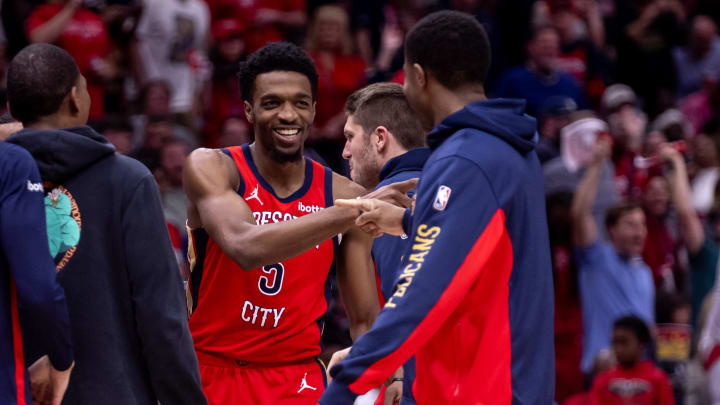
(228, 382)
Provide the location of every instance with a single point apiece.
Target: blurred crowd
(625, 93)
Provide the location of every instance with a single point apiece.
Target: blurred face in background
(702, 34)
(330, 28)
(232, 48)
(628, 234)
(657, 196)
(627, 347)
(172, 158)
(234, 132)
(122, 140)
(157, 100)
(544, 50)
(704, 151)
(157, 134)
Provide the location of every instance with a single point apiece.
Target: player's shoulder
(346, 188)
(14, 158)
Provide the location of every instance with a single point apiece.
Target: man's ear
(73, 100)
(382, 139)
(420, 75)
(249, 112)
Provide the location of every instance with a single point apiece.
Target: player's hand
(395, 193)
(336, 358)
(394, 390)
(376, 217)
(48, 385)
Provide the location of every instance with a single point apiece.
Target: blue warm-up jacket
(29, 291)
(388, 250)
(474, 300)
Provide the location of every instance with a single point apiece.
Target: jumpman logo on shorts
(254, 195)
(304, 384)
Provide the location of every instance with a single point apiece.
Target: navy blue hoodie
(28, 282)
(388, 250)
(107, 233)
(474, 298)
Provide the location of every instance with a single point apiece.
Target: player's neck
(448, 102)
(285, 178)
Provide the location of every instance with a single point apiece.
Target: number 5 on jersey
(271, 283)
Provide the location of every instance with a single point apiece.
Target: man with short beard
(385, 144)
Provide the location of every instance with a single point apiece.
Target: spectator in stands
(659, 252)
(614, 281)
(158, 131)
(649, 30)
(341, 71)
(81, 32)
(568, 314)
(705, 173)
(225, 98)
(634, 380)
(702, 246)
(119, 132)
(172, 39)
(234, 131)
(699, 59)
(627, 124)
(554, 114)
(169, 177)
(540, 78)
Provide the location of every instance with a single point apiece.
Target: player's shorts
(227, 382)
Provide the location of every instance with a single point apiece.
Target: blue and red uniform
(474, 299)
(388, 250)
(257, 331)
(28, 285)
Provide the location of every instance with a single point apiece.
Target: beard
(281, 157)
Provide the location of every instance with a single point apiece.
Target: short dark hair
(274, 56)
(636, 326)
(385, 104)
(39, 78)
(451, 45)
(617, 211)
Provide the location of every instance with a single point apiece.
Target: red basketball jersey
(273, 313)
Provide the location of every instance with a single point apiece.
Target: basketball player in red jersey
(263, 230)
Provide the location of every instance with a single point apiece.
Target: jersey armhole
(241, 183)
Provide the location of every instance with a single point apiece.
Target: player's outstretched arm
(211, 180)
(355, 269)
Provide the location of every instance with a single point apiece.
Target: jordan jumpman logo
(254, 195)
(304, 384)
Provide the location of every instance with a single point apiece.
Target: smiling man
(263, 229)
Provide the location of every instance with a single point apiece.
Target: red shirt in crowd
(246, 11)
(644, 384)
(86, 39)
(336, 83)
(659, 250)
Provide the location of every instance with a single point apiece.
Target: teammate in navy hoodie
(107, 233)
(474, 299)
(384, 145)
(28, 288)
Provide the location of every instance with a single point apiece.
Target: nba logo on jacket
(441, 198)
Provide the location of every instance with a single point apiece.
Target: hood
(60, 153)
(503, 118)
